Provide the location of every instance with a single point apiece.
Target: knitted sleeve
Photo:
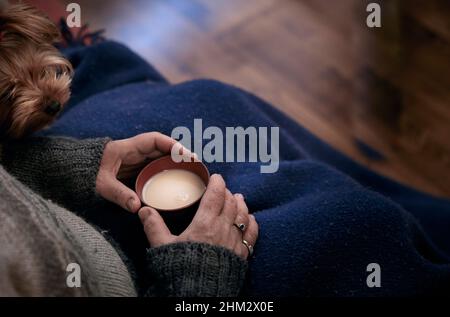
(195, 270)
(61, 169)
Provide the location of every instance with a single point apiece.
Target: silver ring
(248, 246)
(240, 226)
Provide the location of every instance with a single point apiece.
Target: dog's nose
(53, 108)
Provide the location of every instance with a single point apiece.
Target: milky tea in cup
(173, 189)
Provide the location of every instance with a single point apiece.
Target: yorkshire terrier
(34, 77)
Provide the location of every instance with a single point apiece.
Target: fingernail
(239, 195)
(154, 212)
(130, 204)
(142, 214)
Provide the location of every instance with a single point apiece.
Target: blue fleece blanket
(323, 218)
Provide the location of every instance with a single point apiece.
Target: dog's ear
(27, 22)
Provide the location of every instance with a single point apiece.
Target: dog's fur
(34, 77)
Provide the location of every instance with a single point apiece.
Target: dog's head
(34, 77)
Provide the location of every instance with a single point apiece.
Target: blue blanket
(323, 218)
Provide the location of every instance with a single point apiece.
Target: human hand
(123, 159)
(213, 223)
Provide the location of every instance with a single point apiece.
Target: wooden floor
(354, 87)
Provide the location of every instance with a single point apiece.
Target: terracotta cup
(176, 219)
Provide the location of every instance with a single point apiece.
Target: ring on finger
(240, 226)
(248, 246)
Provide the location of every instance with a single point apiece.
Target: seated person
(320, 230)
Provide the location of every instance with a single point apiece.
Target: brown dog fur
(34, 77)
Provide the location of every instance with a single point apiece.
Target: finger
(242, 215)
(241, 250)
(155, 154)
(143, 213)
(214, 198)
(155, 228)
(146, 146)
(115, 191)
(147, 143)
(251, 234)
(229, 211)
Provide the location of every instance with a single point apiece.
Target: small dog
(34, 77)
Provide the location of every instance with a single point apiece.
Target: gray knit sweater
(39, 239)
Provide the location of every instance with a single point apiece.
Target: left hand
(123, 159)
(213, 222)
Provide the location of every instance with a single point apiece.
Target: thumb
(115, 191)
(155, 228)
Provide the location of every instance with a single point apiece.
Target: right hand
(213, 223)
(124, 159)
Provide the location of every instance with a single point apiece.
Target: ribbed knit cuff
(61, 169)
(195, 269)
